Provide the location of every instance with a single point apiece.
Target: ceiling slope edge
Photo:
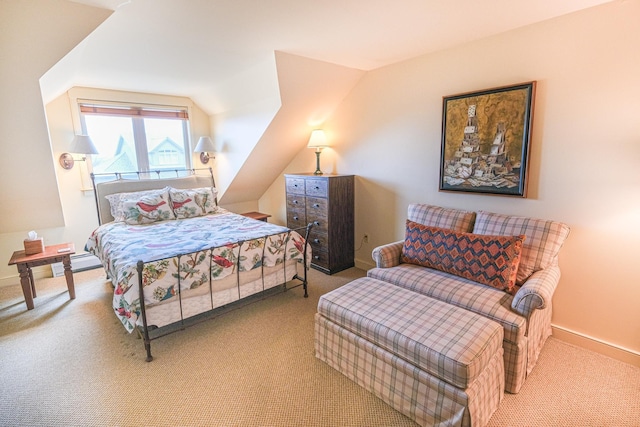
(310, 91)
(63, 74)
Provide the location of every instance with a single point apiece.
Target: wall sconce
(318, 141)
(81, 144)
(204, 147)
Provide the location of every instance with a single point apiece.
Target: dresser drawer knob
(295, 202)
(316, 223)
(295, 218)
(316, 205)
(316, 240)
(316, 257)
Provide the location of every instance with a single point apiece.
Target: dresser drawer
(295, 201)
(318, 241)
(316, 207)
(296, 218)
(319, 224)
(295, 185)
(316, 187)
(320, 259)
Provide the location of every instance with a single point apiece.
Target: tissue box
(32, 247)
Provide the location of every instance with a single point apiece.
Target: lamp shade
(205, 145)
(317, 139)
(82, 144)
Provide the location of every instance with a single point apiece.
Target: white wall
(34, 35)
(583, 162)
(266, 140)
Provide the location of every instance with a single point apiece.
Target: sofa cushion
(436, 216)
(541, 247)
(454, 290)
(449, 343)
(490, 260)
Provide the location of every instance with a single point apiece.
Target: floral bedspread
(184, 253)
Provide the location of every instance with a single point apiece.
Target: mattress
(195, 264)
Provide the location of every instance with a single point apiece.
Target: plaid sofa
(524, 316)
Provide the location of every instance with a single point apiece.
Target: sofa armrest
(537, 291)
(388, 255)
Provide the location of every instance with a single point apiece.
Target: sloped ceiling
(309, 91)
(191, 48)
(222, 55)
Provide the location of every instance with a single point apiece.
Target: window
(136, 138)
(168, 157)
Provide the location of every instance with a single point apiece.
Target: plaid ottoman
(436, 363)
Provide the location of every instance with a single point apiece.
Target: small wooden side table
(51, 254)
(257, 215)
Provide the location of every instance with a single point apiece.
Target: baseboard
(38, 273)
(364, 265)
(611, 350)
(79, 262)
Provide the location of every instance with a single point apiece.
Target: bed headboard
(127, 182)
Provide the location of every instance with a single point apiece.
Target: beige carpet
(72, 363)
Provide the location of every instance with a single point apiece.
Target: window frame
(138, 113)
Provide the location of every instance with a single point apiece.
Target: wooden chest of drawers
(327, 202)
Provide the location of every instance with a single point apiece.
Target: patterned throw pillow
(147, 209)
(193, 202)
(116, 200)
(490, 260)
(544, 239)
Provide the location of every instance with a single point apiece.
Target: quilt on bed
(180, 255)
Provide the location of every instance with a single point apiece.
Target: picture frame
(485, 140)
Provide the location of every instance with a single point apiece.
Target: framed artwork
(485, 140)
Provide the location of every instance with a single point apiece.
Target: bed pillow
(490, 260)
(116, 200)
(147, 208)
(193, 202)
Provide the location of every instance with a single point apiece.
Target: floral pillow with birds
(116, 200)
(193, 202)
(147, 208)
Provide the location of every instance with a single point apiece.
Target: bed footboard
(216, 263)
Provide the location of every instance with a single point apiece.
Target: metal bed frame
(149, 333)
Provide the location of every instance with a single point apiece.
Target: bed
(175, 257)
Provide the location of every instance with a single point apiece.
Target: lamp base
(66, 161)
(318, 171)
(204, 157)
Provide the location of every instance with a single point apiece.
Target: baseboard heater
(79, 262)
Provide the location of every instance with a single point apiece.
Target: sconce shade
(318, 139)
(204, 147)
(82, 144)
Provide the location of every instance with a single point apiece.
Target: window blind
(134, 112)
